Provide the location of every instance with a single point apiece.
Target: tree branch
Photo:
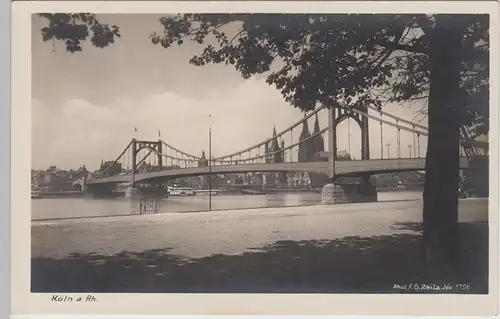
(402, 47)
(387, 52)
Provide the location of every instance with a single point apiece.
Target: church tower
(318, 142)
(275, 147)
(304, 148)
(203, 162)
(266, 153)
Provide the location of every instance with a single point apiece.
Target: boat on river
(206, 192)
(180, 191)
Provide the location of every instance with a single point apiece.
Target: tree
(356, 60)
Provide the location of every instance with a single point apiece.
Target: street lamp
(388, 150)
(409, 150)
(349, 135)
(210, 163)
(418, 144)
(381, 141)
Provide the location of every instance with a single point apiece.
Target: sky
(85, 105)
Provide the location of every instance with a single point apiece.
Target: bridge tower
(136, 147)
(333, 192)
(339, 114)
(335, 116)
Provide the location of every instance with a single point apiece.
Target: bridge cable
(354, 110)
(277, 135)
(178, 150)
(270, 154)
(164, 155)
(390, 123)
(116, 160)
(398, 118)
(168, 157)
(305, 140)
(341, 106)
(125, 161)
(144, 158)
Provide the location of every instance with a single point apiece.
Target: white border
(5, 166)
(242, 304)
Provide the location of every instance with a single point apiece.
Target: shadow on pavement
(346, 265)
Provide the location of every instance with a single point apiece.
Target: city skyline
(86, 105)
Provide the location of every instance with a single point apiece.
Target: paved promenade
(342, 248)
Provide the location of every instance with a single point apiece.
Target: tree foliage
(74, 28)
(357, 59)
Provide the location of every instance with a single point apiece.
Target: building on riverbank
(54, 179)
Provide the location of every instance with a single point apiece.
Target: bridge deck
(341, 168)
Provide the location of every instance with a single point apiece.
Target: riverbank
(236, 192)
(342, 248)
(61, 194)
(57, 208)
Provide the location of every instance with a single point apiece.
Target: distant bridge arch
(342, 113)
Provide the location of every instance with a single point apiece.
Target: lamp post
(210, 163)
(381, 141)
(418, 144)
(349, 135)
(388, 150)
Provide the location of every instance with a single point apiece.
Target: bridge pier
(480, 176)
(336, 193)
(132, 193)
(101, 190)
(330, 194)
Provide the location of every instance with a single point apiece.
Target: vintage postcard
(255, 158)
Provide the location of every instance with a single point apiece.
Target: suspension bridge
(154, 162)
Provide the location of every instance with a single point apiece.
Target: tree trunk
(440, 213)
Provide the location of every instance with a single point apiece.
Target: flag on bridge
(135, 129)
(159, 133)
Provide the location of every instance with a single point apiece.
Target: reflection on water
(48, 208)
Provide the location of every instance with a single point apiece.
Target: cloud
(79, 132)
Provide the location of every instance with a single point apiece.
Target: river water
(56, 208)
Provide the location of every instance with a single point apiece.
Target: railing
(148, 204)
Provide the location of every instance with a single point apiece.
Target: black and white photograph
(260, 153)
